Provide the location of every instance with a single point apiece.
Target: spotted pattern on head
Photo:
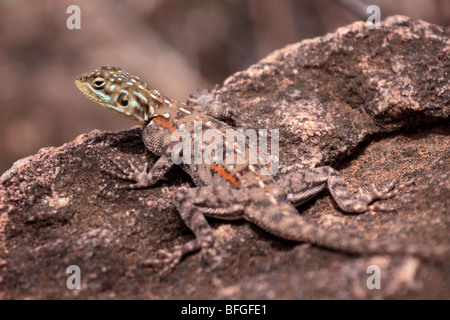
(122, 93)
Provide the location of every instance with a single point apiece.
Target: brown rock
(377, 99)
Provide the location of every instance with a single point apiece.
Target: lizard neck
(157, 105)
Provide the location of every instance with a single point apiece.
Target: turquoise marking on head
(103, 95)
(117, 91)
(115, 108)
(141, 97)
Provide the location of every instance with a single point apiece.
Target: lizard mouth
(80, 85)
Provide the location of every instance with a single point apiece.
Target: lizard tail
(284, 221)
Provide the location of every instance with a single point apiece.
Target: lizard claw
(202, 97)
(168, 260)
(205, 102)
(388, 192)
(133, 173)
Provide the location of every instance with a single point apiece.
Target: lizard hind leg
(193, 205)
(364, 201)
(283, 220)
(302, 185)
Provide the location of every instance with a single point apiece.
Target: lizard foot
(202, 97)
(388, 192)
(133, 173)
(169, 260)
(205, 101)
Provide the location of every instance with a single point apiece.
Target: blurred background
(175, 45)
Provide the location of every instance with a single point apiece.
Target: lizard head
(121, 93)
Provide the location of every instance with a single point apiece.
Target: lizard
(229, 192)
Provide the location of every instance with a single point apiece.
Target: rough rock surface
(372, 103)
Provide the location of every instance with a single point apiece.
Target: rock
(372, 103)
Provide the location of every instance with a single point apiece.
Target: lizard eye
(99, 83)
(123, 100)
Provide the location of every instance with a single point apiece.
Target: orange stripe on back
(225, 174)
(165, 123)
(265, 158)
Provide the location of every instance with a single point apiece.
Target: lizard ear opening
(123, 100)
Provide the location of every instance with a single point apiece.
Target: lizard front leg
(302, 185)
(193, 205)
(142, 177)
(205, 102)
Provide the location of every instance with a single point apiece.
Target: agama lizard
(228, 192)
